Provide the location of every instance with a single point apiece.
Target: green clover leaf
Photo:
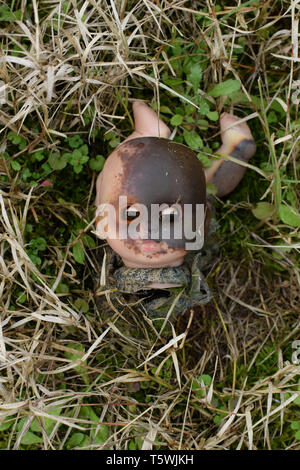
(97, 163)
(75, 141)
(57, 161)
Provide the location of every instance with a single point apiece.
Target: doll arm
(238, 142)
(147, 123)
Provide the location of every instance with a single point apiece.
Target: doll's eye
(130, 213)
(169, 213)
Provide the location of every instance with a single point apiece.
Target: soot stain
(157, 171)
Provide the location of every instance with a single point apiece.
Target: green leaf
(77, 160)
(203, 107)
(197, 384)
(132, 445)
(165, 110)
(50, 423)
(82, 305)
(14, 138)
(89, 241)
(7, 15)
(202, 124)
(204, 159)
(35, 426)
(73, 356)
(9, 421)
(30, 438)
(297, 435)
(21, 424)
(297, 400)
(77, 167)
(193, 140)
(206, 379)
(114, 142)
(17, 140)
(84, 149)
(26, 173)
(173, 82)
(295, 425)
(263, 210)
(176, 120)
(109, 135)
(211, 189)
(46, 168)
(195, 76)
(35, 259)
(22, 298)
(188, 109)
(213, 115)
(78, 439)
(78, 253)
(102, 434)
(38, 244)
(225, 88)
(15, 165)
(271, 117)
(22, 144)
(75, 156)
(92, 415)
(29, 228)
(39, 156)
(190, 119)
(97, 163)
(217, 419)
(75, 141)
(288, 216)
(57, 161)
(62, 288)
(66, 6)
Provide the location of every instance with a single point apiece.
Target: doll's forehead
(153, 170)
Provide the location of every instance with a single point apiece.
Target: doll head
(155, 187)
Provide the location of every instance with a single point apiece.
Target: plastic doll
(149, 170)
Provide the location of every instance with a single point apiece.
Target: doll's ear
(147, 123)
(98, 187)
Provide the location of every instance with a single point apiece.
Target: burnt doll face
(157, 190)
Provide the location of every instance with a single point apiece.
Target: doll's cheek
(118, 246)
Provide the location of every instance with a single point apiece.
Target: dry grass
(138, 377)
(80, 58)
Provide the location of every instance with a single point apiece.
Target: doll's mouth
(152, 246)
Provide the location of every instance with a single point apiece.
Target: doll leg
(238, 142)
(147, 123)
